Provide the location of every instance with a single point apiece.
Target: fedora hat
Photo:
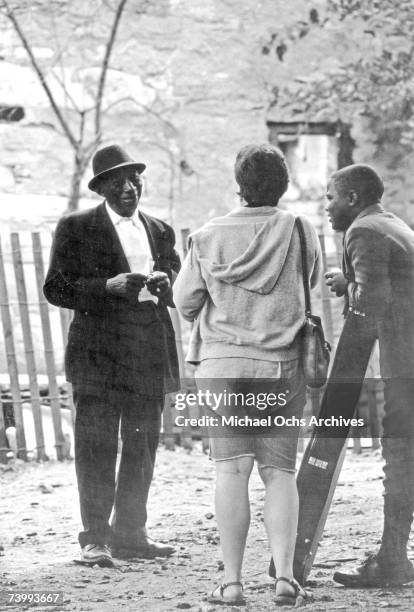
(110, 158)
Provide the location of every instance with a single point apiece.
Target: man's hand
(127, 285)
(336, 281)
(159, 284)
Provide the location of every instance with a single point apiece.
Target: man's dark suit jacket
(378, 263)
(112, 343)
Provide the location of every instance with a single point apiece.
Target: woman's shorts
(277, 446)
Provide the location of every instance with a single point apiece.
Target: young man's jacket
(112, 342)
(378, 263)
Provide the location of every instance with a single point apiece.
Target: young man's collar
(368, 210)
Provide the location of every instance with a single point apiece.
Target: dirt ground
(40, 520)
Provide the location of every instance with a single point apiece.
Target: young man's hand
(336, 281)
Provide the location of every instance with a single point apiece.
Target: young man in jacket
(378, 285)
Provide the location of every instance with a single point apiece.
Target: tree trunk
(79, 167)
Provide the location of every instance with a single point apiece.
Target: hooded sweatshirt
(241, 285)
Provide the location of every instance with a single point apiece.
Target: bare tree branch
(67, 93)
(105, 65)
(74, 128)
(11, 16)
(58, 58)
(147, 109)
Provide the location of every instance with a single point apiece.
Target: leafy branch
(371, 74)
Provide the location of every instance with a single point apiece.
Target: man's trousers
(98, 417)
(341, 396)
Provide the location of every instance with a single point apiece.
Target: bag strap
(305, 275)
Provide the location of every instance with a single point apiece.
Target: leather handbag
(315, 350)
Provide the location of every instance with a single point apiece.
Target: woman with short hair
(241, 285)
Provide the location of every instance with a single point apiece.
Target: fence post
(168, 421)
(64, 315)
(186, 434)
(3, 438)
(185, 232)
(185, 437)
(28, 345)
(65, 319)
(48, 348)
(11, 361)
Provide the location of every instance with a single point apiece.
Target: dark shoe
(217, 596)
(295, 598)
(149, 549)
(96, 554)
(374, 574)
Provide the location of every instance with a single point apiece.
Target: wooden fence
(34, 398)
(41, 331)
(31, 410)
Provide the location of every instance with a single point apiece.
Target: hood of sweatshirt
(257, 266)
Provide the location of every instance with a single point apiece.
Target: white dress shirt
(134, 241)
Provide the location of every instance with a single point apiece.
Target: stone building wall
(195, 87)
(195, 65)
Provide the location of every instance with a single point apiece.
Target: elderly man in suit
(378, 284)
(113, 266)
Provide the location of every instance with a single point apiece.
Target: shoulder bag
(315, 350)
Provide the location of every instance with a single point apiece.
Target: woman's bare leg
(233, 516)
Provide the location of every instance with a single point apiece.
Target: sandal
(296, 598)
(218, 598)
